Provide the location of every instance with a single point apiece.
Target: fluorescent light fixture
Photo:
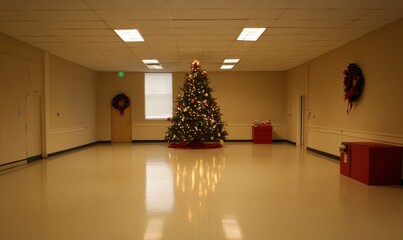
(129, 35)
(231, 60)
(150, 61)
(250, 34)
(226, 67)
(154, 66)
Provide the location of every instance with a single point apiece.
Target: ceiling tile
(80, 33)
(137, 14)
(337, 4)
(90, 39)
(139, 24)
(212, 14)
(274, 4)
(99, 46)
(177, 31)
(368, 23)
(125, 4)
(64, 15)
(393, 4)
(206, 31)
(390, 14)
(318, 31)
(309, 23)
(217, 23)
(221, 4)
(266, 13)
(43, 5)
(52, 25)
(327, 14)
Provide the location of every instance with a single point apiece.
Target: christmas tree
(197, 118)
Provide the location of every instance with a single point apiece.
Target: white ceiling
(178, 31)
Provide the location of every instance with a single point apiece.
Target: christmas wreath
(353, 84)
(121, 102)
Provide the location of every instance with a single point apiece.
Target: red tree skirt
(194, 145)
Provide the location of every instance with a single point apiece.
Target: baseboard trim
(250, 140)
(238, 140)
(324, 153)
(230, 140)
(34, 159)
(149, 141)
(287, 141)
(71, 149)
(13, 164)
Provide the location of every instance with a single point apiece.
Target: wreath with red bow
(121, 102)
(353, 84)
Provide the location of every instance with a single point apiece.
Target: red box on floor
(376, 164)
(262, 133)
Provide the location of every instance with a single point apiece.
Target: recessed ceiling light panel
(150, 61)
(233, 60)
(129, 35)
(155, 66)
(226, 67)
(250, 34)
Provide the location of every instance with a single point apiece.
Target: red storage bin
(262, 133)
(376, 164)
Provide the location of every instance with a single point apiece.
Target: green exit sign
(121, 74)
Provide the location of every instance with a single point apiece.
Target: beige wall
(72, 93)
(378, 115)
(296, 86)
(20, 68)
(73, 112)
(248, 96)
(243, 97)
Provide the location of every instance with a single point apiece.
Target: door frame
(301, 122)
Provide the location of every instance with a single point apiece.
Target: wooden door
(121, 125)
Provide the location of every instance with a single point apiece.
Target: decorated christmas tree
(197, 119)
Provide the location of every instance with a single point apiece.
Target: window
(158, 95)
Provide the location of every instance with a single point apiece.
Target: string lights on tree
(197, 119)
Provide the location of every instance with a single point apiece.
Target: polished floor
(148, 191)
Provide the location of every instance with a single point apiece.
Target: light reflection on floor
(151, 192)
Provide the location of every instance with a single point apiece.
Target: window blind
(158, 95)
